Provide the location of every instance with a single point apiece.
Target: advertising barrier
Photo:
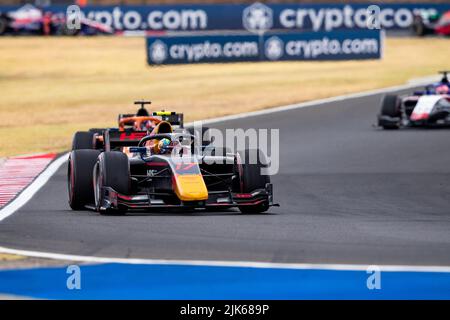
(338, 45)
(253, 17)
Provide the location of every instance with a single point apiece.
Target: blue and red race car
(426, 23)
(31, 20)
(425, 108)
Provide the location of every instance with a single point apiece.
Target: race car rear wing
(175, 119)
(128, 138)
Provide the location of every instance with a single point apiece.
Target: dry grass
(51, 87)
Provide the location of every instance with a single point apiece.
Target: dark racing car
(426, 23)
(165, 168)
(30, 20)
(427, 108)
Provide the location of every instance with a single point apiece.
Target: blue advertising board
(337, 45)
(252, 17)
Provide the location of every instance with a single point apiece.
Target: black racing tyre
(418, 27)
(251, 178)
(3, 25)
(216, 151)
(112, 170)
(65, 31)
(390, 107)
(79, 177)
(83, 140)
(97, 130)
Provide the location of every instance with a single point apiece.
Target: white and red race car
(427, 108)
(31, 20)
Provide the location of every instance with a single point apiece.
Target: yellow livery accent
(163, 113)
(190, 187)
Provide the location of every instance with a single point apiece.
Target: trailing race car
(425, 23)
(427, 108)
(132, 124)
(32, 20)
(161, 170)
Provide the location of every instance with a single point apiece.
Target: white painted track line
(215, 263)
(34, 187)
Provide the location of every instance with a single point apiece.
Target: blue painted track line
(128, 281)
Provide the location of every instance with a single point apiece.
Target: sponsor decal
(274, 48)
(255, 17)
(158, 52)
(342, 45)
(207, 48)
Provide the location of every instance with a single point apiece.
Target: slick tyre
(79, 177)
(97, 130)
(3, 25)
(83, 140)
(251, 179)
(390, 107)
(112, 170)
(205, 139)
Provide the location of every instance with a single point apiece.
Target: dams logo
(132, 135)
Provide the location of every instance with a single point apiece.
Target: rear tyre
(3, 25)
(205, 139)
(97, 130)
(390, 108)
(216, 151)
(112, 170)
(83, 140)
(418, 27)
(65, 31)
(251, 178)
(79, 177)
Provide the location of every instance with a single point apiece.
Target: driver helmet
(163, 146)
(442, 89)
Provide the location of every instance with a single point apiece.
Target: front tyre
(251, 178)
(390, 112)
(111, 170)
(79, 177)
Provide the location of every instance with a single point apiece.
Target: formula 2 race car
(428, 108)
(137, 124)
(126, 174)
(30, 20)
(426, 23)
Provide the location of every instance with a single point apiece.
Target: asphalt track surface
(349, 193)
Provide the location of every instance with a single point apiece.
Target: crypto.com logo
(273, 48)
(158, 52)
(257, 18)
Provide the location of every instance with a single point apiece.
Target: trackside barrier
(256, 16)
(339, 45)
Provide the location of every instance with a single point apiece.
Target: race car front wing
(216, 199)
